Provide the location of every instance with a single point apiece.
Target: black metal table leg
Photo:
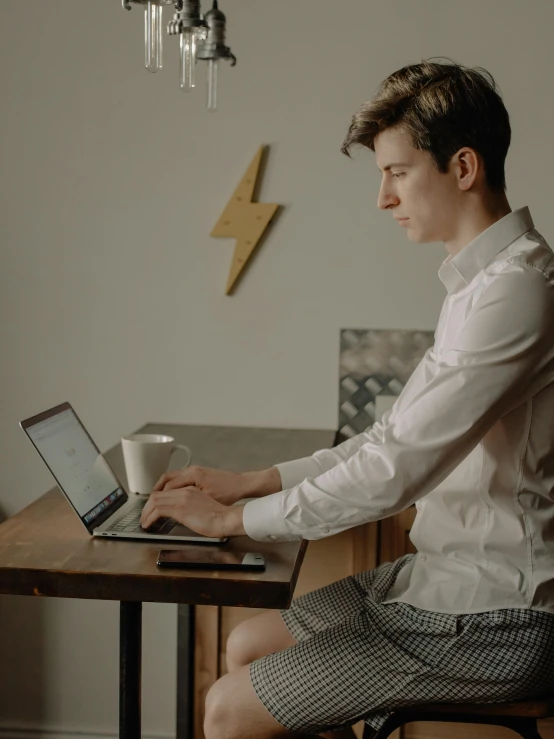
(185, 671)
(130, 647)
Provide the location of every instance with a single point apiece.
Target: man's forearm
(262, 483)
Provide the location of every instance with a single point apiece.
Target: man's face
(414, 189)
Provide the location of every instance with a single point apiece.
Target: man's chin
(416, 236)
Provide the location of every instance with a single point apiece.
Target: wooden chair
(520, 716)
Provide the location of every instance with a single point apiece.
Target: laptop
(90, 485)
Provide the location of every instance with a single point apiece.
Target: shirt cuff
(295, 472)
(263, 520)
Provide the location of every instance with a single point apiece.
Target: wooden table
(45, 551)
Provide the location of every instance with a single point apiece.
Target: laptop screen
(80, 470)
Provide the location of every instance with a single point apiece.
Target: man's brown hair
(443, 107)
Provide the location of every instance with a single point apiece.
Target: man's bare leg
(260, 635)
(244, 716)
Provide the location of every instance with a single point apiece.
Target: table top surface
(46, 551)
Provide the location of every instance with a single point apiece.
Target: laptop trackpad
(180, 530)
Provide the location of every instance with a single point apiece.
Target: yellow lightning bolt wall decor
(244, 220)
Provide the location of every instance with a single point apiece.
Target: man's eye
(398, 174)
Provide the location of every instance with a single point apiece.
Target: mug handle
(185, 449)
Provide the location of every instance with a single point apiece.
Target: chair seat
(532, 708)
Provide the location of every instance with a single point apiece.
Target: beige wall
(112, 291)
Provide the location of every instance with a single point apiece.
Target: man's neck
(476, 220)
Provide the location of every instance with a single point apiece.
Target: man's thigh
(273, 631)
(321, 683)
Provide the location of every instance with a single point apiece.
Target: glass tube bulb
(153, 37)
(188, 58)
(212, 84)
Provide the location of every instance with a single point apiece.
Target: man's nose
(386, 198)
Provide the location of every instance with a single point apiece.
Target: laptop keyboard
(130, 522)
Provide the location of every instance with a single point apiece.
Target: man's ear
(467, 164)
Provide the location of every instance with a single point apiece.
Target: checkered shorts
(358, 658)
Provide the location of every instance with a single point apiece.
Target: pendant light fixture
(200, 38)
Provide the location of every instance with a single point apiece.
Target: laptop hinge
(119, 503)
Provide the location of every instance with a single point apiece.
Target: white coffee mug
(146, 458)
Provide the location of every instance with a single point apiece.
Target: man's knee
(216, 716)
(234, 711)
(240, 649)
(256, 637)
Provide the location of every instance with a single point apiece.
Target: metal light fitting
(200, 38)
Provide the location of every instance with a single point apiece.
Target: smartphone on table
(216, 560)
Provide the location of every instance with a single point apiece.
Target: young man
(470, 441)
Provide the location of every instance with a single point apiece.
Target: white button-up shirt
(470, 441)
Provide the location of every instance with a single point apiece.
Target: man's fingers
(166, 499)
(154, 501)
(188, 506)
(157, 512)
(168, 477)
(162, 481)
(179, 482)
(146, 510)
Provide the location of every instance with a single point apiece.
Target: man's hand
(191, 507)
(224, 487)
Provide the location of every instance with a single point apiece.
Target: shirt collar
(459, 270)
